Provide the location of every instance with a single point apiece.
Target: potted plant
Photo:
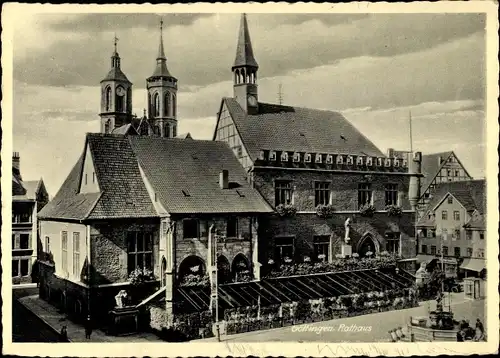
(286, 210)
(325, 211)
(394, 210)
(367, 210)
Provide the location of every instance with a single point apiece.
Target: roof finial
(161, 51)
(115, 42)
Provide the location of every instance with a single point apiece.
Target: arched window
(129, 100)
(157, 130)
(156, 105)
(174, 106)
(167, 130)
(106, 126)
(166, 109)
(107, 98)
(120, 99)
(150, 107)
(243, 76)
(237, 76)
(174, 131)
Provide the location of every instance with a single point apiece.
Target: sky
(374, 68)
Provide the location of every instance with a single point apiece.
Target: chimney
(16, 161)
(390, 152)
(440, 160)
(224, 179)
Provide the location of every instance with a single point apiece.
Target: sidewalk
(76, 333)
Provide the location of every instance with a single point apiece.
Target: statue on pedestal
(347, 226)
(120, 298)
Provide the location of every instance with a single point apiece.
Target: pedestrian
(63, 335)
(479, 325)
(88, 328)
(479, 336)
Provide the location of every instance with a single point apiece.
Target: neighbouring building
(308, 159)
(454, 225)
(439, 168)
(28, 197)
(146, 202)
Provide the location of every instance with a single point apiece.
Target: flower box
(286, 210)
(394, 210)
(367, 210)
(325, 211)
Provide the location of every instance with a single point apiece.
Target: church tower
(245, 71)
(162, 96)
(116, 97)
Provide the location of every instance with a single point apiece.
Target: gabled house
(308, 159)
(440, 168)
(28, 197)
(147, 203)
(455, 221)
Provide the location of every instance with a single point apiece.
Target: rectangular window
(85, 178)
(423, 233)
(25, 267)
(190, 228)
(444, 215)
(47, 244)
(321, 193)
(283, 248)
(232, 226)
(64, 254)
(364, 194)
(430, 233)
(93, 177)
(76, 254)
(424, 249)
(282, 192)
(450, 199)
(321, 247)
(468, 235)
(448, 172)
(25, 217)
(14, 244)
(481, 236)
(457, 234)
(469, 251)
(433, 250)
(140, 250)
(445, 250)
(456, 215)
(480, 253)
(15, 268)
(457, 251)
(392, 243)
(391, 194)
(457, 173)
(204, 226)
(24, 241)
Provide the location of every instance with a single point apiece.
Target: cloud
(200, 48)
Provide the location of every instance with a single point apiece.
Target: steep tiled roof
(244, 51)
(17, 183)
(185, 175)
(278, 127)
(68, 204)
(125, 129)
(116, 74)
(172, 167)
(470, 193)
(31, 188)
(123, 192)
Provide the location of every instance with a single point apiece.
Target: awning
(473, 265)
(428, 258)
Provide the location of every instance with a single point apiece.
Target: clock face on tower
(120, 91)
(252, 101)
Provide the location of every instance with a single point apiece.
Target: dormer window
(318, 159)
(349, 160)
(369, 161)
(329, 159)
(387, 162)
(284, 157)
(262, 155)
(379, 162)
(359, 160)
(272, 155)
(307, 158)
(396, 162)
(405, 163)
(340, 159)
(296, 157)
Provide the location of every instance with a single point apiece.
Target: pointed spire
(115, 58)
(244, 51)
(161, 51)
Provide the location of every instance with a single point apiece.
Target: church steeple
(116, 95)
(162, 95)
(245, 69)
